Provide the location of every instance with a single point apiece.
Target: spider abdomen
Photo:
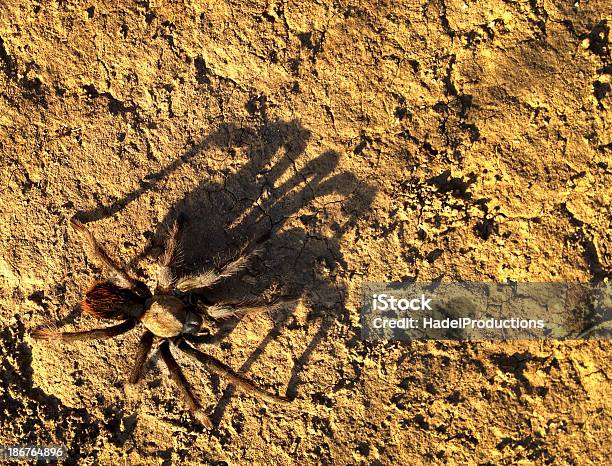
(106, 300)
(165, 316)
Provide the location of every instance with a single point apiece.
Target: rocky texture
(375, 141)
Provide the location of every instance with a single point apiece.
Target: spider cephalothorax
(166, 314)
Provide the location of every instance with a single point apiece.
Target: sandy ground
(376, 141)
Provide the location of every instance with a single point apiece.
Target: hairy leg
(176, 374)
(228, 310)
(223, 370)
(144, 346)
(209, 278)
(98, 255)
(171, 255)
(95, 334)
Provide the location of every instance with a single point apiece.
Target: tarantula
(167, 314)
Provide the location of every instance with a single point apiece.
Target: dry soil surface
(376, 141)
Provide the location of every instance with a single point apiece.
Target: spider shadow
(306, 206)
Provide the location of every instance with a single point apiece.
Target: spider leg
(144, 346)
(94, 334)
(98, 255)
(239, 310)
(176, 374)
(172, 253)
(210, 277)
(223, 370)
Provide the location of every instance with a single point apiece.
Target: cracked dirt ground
(376, 141)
